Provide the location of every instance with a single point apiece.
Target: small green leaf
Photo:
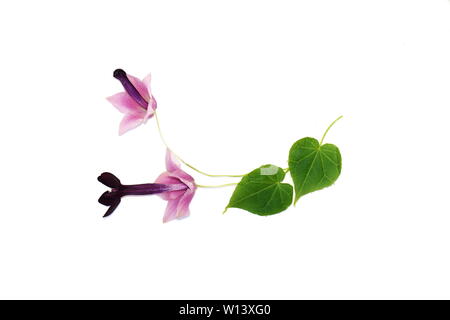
(261, 192)
(313, 166)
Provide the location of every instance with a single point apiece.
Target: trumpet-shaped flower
(174, 185)
(136, 102)
(178, 200)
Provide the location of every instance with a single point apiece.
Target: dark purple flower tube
(118, 190)
(121, 75)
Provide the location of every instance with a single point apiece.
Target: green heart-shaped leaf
(313, 166)
(261, 192)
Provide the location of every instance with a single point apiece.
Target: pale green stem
(329, 127)
(187, 164)
(216, 186)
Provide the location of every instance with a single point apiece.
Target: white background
(237, 82)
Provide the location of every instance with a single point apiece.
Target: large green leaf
(261, 192)
(313, 166)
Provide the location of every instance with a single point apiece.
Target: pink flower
(174, 185)
(178, 200)
(136, 102)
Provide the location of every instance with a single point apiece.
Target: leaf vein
(253, 194)
(331, 160)
(307, 174)
(305, 157)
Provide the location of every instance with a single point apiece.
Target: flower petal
(152, 101)
(150, 110)
(183, 204)
(108, 198)
(147, 83)
(167, 178)
(184, 177)
(129, 121)
(172, 163)
(109, 180)
(112, 208)
(171, 210)
(125, 104)
(140, 86)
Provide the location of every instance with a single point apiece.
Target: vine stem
(216, 186)
(187, 164)
(329, 127)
